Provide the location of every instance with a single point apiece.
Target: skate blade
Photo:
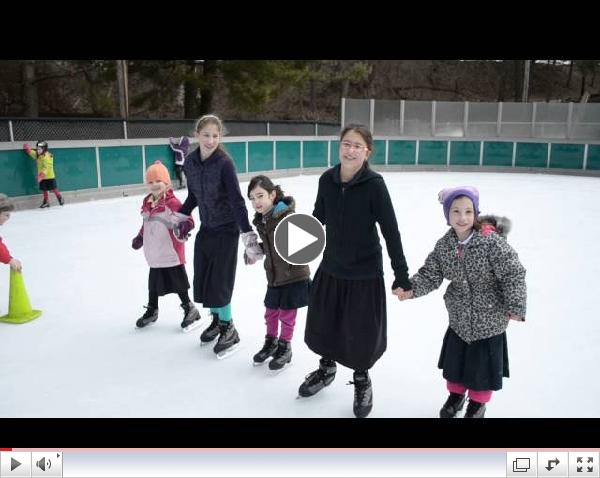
(277, 372)
(204, 344)
(258, 364)
(145, 326)
(194, 325)
(230, 351)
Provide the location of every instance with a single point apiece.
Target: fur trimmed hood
(502, 224)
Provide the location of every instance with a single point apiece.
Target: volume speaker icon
(43, 463)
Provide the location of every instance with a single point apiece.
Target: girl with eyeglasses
(346, 319)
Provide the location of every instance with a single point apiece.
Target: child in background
(180, 147)
(45, 175)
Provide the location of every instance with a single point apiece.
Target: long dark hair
(362, 130)
(365, 133)
(265, 183)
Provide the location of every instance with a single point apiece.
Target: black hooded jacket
(349, 212)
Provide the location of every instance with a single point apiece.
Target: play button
(14, 464)
(299, 239)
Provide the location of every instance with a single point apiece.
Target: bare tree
(30, 89)
(207, 90)
(190, 90)
(123, 88)
(571, 62)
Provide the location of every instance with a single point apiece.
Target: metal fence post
(143, 162)
(499, 120)
(570, 121)
(99, 174)
(401, 117)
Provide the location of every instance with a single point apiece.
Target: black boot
(363, 394)
(475, 409)
(319, 379)
(212, 331)
(150, 316)
(190, 315)
(267, 350)
(282, 356)
(453, 405)
(44, 204)
(61, 201)
(228, 337)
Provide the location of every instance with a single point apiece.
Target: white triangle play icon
(298, 239)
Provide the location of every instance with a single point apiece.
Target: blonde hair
(209, 119)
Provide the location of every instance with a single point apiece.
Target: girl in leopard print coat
(487, 289)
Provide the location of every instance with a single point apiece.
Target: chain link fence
(65, 129)
(424, 119)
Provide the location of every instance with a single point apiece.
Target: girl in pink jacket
(164, 253)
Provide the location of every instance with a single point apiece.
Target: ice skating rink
(84, 358)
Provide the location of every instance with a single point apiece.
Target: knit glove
(182, 229)
(138, 241)
(253, 250)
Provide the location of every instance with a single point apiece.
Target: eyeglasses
(356, 146)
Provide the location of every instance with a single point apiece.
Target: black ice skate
(453, 405)
(475, 410)
(268, 349)
(228, 340)
(149, 317)
(61, 200)
(44, 204)
(211, 332)
(363, 394)
(191, 317)
(319, 379)
(283, 355)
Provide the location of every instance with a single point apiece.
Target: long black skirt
(480, 365)
(215, 263)
(168, 280)
(346, 320)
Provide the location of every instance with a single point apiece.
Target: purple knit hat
(446, 196)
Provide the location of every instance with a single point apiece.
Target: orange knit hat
(158, 172)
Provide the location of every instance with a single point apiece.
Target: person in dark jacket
(346, 319)
(180, 147)
(214, 188)
(288, 284)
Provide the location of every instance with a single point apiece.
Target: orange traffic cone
(19, 308)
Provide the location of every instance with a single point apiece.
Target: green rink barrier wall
(101, 164)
